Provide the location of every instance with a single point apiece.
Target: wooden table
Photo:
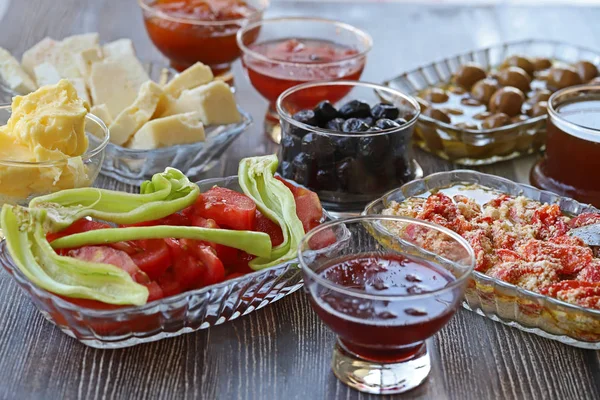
(283, 351)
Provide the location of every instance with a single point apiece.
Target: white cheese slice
(46, 74)
(100, 111)
(81, 88)
(168, 131)
(78, 43)
(39, 53)
(120, 47)
(13, 76)
(214, 102)
(60, 55)
(84, 60)
(196, 75)
(116, 82)
(131, 119)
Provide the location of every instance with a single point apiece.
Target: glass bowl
(484, 146)
(168, 317)
(384, 290)
(271, 75)
(135, 166)
(493, 298)
(21, 181)
(345, 178)
(185, 40)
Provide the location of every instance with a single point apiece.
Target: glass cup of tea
(572, 146)
(188, 31)
(280, 53)
(384, 285)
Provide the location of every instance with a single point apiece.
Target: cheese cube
(116, 82)
(169, 131)
(196, 75)
(214, 102)
(78, 43)
(38, 54)
(13, 76)
(101, 111)
(46, 74)
(84, 60)
(131, 119)
(164, 103)
(120, 47)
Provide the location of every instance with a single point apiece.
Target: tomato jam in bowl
(383, 294)
(187, 31)
(573, 145)
(109, 326)
(349, 150)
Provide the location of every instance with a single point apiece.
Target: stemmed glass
(384, 285)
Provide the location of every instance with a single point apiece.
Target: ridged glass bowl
(168, 317)
(498, 300)
(484, 146)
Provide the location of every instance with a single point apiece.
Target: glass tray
(502, 301)
(169, 317)
(484, 146)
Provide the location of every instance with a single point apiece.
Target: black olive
(374, 129)
(304, 169)
(290, 146)
(325, 111)
(335, 124)
(296, 131)
(321, 147)
(306, 117)
(327, 179)
(372, 149)
(355, 109)
(385, 123)
(369, 121)
(344, 173)
(383, 110)
(345, 146)
(355, 125)
(286, 170)
(400, 121)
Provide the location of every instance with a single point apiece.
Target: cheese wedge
(47, 74)
(39, 53)
(214, 103)
(196, 75)
(84, 60)
(120, 47)
(78, 43)
(13, 75)
(169, 131)
(101, 111)
(131, 119)
(116, 82)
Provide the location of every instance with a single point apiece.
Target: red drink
(289, 62)
(379, 330)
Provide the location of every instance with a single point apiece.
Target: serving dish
(168, 317)
(485, 146)
(502, 301)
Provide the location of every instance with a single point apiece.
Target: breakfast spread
(117, 87)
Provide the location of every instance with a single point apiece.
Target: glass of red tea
(573, 145)
(280, 53)
(384, 285)
(188, 31)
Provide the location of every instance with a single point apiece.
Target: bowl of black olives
(351, 151)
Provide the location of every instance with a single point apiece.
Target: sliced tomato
(155, 292)
(108, 255)
(234, 275)
(264, 224)
(308, 206)
(152, 256)
(228, 208)
(234, 260)
(169, 284)
(189, 271)
(79, 226)
(214, 269)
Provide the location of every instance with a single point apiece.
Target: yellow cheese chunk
(214, 103)
(196, 75)
(133, 117)
(116, 82)
(120, 47)
(101, 111)
(169, 131)
(78, 43)
(13, 75)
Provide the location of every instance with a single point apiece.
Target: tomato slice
(151, 256)
(108, 255)
(264, 224)
(79, 226)
(228, 208)
(214, 269)
(169, 284)
(308, 206)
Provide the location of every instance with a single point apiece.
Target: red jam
(385, 331)
(297, 61)
(186, 43)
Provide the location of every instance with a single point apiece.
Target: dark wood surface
(283, 351)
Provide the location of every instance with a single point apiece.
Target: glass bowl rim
(364, 36)
(283, 114)
(588, 133)
(191, 21)
(385, 297)
(86, 156)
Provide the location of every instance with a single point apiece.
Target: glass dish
(24, 180)
(353, 178)
(169, 317)
(485, 146)
(501, 301)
